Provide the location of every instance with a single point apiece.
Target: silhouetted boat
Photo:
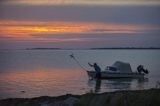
(117, 70)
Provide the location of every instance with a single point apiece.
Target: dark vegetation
(149, 97)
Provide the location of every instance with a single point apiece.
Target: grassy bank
(149, 97)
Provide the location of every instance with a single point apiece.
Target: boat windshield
(111, 68)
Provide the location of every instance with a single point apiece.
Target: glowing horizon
(30, 30)
(79, 23)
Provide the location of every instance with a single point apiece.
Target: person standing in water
(97, 69)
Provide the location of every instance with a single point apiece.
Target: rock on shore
(149, 97)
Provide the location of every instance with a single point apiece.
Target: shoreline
(150, 97)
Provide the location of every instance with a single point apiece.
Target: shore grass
(149, 97)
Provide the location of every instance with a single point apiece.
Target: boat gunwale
(133, 73)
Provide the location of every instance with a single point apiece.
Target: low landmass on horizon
(92, 48)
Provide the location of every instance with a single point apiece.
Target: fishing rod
(73, 57)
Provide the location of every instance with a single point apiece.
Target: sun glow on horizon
(30, 30)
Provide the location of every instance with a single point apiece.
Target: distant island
(126, 48)
(93, 48)
(43, 48)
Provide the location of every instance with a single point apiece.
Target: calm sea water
(32, 73)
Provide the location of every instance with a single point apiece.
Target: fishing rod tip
(72, 56)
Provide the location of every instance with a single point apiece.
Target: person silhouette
(97, 70)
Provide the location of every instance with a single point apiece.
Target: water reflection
(98, 85)
(53, 73)
(141, 83)
(41, 82)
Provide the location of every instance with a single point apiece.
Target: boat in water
(119, 70)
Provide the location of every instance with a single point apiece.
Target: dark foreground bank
(149, 97)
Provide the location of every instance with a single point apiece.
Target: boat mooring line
(73, 57)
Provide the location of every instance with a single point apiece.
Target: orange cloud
(24, 30)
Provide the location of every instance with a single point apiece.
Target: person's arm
(90, 64)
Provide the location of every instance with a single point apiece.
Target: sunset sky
(79, 23)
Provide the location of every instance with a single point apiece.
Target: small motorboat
(119, 70)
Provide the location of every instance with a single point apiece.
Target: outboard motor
(141, 69)
(145, 71)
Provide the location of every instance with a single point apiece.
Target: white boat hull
(108, 75)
